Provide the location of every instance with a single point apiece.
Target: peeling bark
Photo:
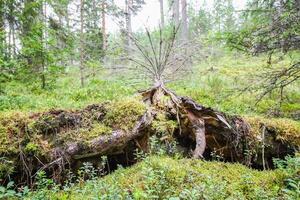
(199, 131)
(110, 143)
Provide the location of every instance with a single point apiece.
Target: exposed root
(199, 131)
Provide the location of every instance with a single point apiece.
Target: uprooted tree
(61, 140)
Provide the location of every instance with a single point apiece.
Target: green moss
(86, 134)
(12, 131)
(165, 178)
(286, 129)
(15, 129)
(97, 130)
(4, 142)
(45, 125)
(124, 114)
(31, 148)
(162, 125)
(6, 167)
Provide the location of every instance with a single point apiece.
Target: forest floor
(214, 83)
(161, 177)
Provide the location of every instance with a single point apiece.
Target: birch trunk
(162, 16)
(81, 45)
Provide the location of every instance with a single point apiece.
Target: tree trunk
(109, 144)
(162, 16)
(2, 28)
(10, 27)
(71, 57)
(9, 39)
(44, 43)
(14, 41)
(81, 45)
(27, 32)
(184, 23)
(128, 7)
(103, 28)
(175, 9)
(11, 22)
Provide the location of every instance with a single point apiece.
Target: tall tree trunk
(184, 24)
(2, 29)
(14, 41)
(175, 8)
(71, 57)
(27, 27)
(10, 27)
(81, 45)
(60, 43)
(43, 43)
(128, 7)
(11, 21)
(103, 26)
(162, 16)
(9, 39)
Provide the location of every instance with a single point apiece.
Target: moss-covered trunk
(61, 140)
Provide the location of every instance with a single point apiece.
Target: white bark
(81, 45)
(184, 23)
(175, 8)
(128, 7)
(162, 16)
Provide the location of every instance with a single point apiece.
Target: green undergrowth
(218, 83)
(159, 177)
(215, 82)
(65, 94)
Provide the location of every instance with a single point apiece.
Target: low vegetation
(214, 84)
(161, 177)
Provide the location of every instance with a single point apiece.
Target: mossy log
(108, 144)
(60, 140)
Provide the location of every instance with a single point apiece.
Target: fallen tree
(61, 140)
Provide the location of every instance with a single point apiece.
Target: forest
(150, 99)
